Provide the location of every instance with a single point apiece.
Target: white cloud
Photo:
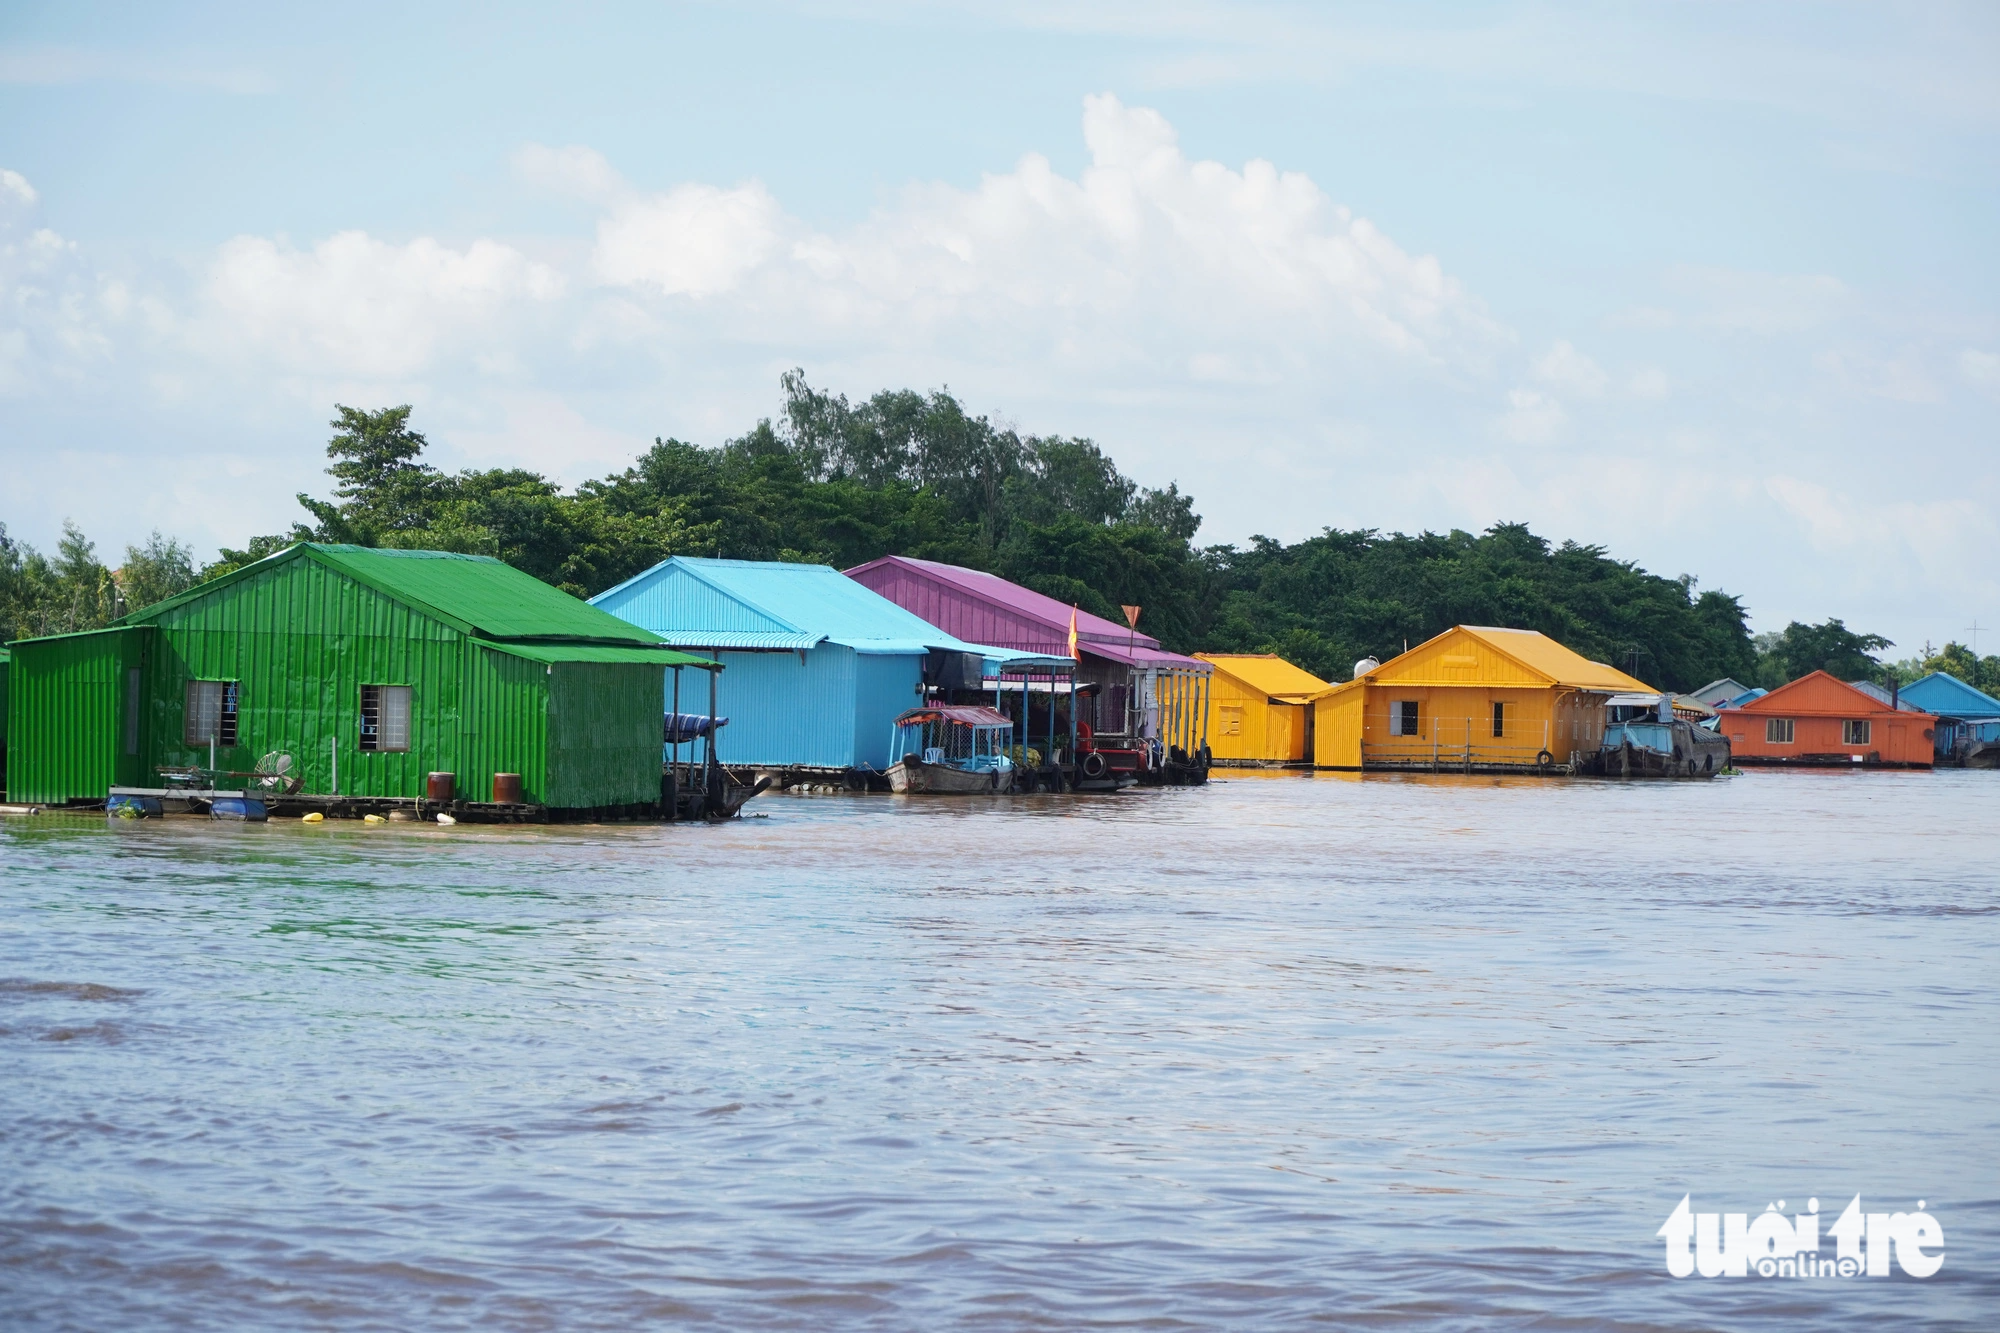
(15, 191)
(1744, 301)
(1120, 266)
(355, 305)
(574, 170)
(1650, 383)
(49, 66)
(54, 311)
(1900, 377)
(1570, 370)
(1532, 417)
(1981, 369)
(695, 240)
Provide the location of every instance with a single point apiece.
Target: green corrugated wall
(74, 689)
(507, 726)
(303, 640)
(604, 733)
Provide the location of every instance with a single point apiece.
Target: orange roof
(1819, 694)
(1266, 672)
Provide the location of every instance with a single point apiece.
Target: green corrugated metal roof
(600, 652)
(474, 593)
(492, 596)
(118, 628)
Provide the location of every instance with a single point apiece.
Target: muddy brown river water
(1285, 1052)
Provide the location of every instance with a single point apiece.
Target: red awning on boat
(966, 715)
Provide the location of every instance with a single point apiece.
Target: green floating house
(370, 668)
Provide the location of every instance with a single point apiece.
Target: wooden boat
(1644, 739)
(952, 749)
(912, 775)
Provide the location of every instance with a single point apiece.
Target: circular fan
(274, 769)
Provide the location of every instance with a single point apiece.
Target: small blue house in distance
(819, 667)
(1968, 720)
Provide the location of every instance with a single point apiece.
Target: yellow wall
(1449, 717)
(1455, 680)
(1244, 724)
(1337, 728)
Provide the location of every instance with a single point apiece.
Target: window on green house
(210, 715)
(385, 717)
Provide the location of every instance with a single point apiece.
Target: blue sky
(1711, 285)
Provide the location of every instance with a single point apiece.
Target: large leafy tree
(1332, 599)
(1831, 647)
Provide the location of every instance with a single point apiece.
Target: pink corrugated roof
(1016, 598)
(986, 608)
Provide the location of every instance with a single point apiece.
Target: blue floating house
(1968, 720)
(819, 667)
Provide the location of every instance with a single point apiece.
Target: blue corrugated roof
(1947, 696)
(768, 600)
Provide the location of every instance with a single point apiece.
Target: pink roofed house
(1140, 684)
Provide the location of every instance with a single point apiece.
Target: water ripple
(1287, 1052)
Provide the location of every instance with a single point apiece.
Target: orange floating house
(1819, 720)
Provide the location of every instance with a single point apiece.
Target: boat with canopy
(954, 748)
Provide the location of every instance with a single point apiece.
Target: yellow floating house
(1473, 698)
(1260, 709)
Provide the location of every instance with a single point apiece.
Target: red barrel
(506, 789)
(441, 786)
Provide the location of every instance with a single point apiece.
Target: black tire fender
(1544, 758)
(1093, 765)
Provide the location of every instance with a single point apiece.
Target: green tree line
(838, 482)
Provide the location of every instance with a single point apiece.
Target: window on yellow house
(1232, 719)
(1500, 719)
(1405, 718)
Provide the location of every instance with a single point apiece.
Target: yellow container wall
(1456, 722)
(1245, 725)
(1337, 729)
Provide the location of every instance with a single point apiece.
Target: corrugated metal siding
(604, 734)
(66, 708)
(884, 687)
(670, 598)
(959, 613)
(303, 639)
(506, 724)
(782, 710)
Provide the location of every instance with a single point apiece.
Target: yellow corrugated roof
(1539, 652)
(1267, 672)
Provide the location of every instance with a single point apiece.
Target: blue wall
(830, 710)
(885, 688)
